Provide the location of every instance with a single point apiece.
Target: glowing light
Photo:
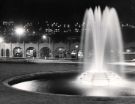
(128, 50)
(44, 37)
(76, 46)
(1, 39)
(34, 32)
(60, 49)
(19, 30)
(80, 54)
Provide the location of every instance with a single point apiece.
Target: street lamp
(19, 30)
(45, 37)
(76, 46)
(77, 49)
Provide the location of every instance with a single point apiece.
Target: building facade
(38, 50)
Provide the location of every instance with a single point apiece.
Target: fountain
(103, 74)
(102, 45)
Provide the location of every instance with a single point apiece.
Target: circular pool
(57, 85)
(64, 83)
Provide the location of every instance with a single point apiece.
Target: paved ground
(13, 96)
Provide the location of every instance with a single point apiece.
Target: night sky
(65, 10)
(62, 9)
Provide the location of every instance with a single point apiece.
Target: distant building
(37, 50)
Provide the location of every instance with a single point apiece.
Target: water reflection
(56, 86)
(33, 85)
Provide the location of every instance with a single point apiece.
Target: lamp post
(46, 37)
(19, 30)
(77, 49)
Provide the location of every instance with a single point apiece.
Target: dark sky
(66, 10)
(62, 9)
(42, 8)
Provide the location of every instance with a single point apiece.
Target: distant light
(19, 30)
(76, 46)
(64, 25)
(68, 26)
(34, 32)
(44, 37)
(60, 49)
(1, 40)
(80, 54)
(128, 50)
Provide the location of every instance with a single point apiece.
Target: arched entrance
(17, 52)
(31, 52)
(45, 52)
(60, 52)
(2, 52)
(7, 53)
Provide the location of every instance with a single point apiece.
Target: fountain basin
(51, 98)
(62, 83)
(55, 83)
